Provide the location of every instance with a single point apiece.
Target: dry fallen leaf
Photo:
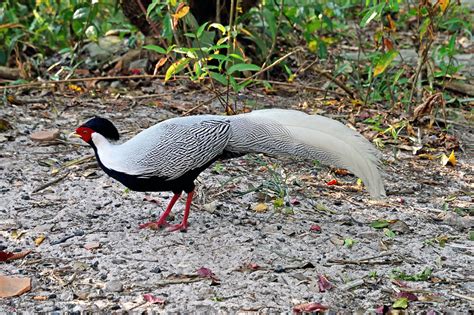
(39, 240)
(324, 283)
(13, 286)
(45, 135)
(309, 308)
(261, 207)
(7, 256)
(449, 160)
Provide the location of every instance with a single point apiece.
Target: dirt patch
(94, 257)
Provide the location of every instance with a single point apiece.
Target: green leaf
(422, 276)
(152, 6)
(401, 303)
(236, 56)
(379, 224)
(176, 67)
(371, 14)
(156, 48)
(397, 75)
(271, 22)
(471, 235)
(218, 26)
(389, 233)
(243, 67)
(200, 30)
(424, 27)
(384, 62)
(219, 78)
(348, 242)
(167, 31)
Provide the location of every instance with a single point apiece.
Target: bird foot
(154, 225)
(182, 227)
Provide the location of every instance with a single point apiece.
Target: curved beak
(73, 135)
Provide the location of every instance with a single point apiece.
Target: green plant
(39, 28)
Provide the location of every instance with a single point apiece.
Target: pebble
(114, 286)
(119, 261)
(156, 270)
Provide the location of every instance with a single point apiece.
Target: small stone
(210, 207)
(156, 270)
(118, 261)
(279, 269)
(45, 135)
(114, 286)
(79, 233)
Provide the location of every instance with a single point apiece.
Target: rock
(119, 261)
(114, 286)
(45, 135)
(210, 207)
(156, 270)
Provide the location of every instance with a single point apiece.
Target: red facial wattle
(85, 133)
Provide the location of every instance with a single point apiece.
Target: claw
(182, 227)
(154, 225)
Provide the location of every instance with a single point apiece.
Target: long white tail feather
(294, 133)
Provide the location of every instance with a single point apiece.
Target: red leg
(184, 224)
(162, 220)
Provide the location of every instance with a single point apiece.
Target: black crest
(103, 126)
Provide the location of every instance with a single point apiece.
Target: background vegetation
(274, 39)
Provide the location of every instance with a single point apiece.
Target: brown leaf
(309, 308)
(387, 43)
(45, 135)
(160, 64)
(427, 107)
(324, 283)
(13, 286)
(391, 24)
(7, 256)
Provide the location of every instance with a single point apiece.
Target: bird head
(99, 125)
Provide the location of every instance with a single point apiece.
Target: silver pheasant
(171, 154)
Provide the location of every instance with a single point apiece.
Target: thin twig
(152, 24)
(199, 105)
(336, 81)
(462, 296)
(46, 185)
(256, 74)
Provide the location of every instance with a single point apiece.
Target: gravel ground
(95, 258)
